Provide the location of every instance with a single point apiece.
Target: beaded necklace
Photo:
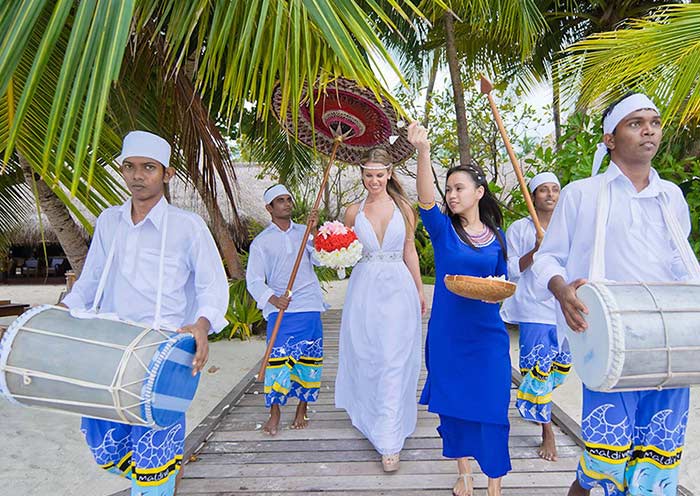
(484, 238)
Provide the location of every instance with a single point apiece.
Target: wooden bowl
(480, 288)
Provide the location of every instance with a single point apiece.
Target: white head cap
(274, 192)
(145, 144)
(541, 178)
(624, 108)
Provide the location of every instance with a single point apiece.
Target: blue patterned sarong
(296, 361)
(544, 366)
(634, 441)
(149, 458)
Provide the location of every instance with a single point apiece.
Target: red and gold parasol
(343, 121)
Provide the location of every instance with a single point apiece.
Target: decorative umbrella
(343, 121)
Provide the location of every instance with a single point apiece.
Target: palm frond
(658, 55)
(16, 202)
(278, 153)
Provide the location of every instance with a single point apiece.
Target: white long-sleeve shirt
(270, 262)
(194, 280)
(524, 306)
(638, 245)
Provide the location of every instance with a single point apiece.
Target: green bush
(426, 257)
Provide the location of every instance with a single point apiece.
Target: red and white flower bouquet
(337, 247)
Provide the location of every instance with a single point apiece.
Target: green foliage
(243, 314)
(674, 162)
(426, 257)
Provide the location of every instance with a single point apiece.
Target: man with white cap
(190, 294)
(295, 364)
(544, 364)
(633, 440)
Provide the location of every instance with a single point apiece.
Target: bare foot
(577, 490)
(465, 483)
(494, 487)
(300, 419)
(548, 448)
(390, 463)
(464, 486)
(272, 424)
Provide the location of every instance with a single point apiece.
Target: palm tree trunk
(458, 91)
(428, 106)
(220, 230)
(67, 231)
(556, 107)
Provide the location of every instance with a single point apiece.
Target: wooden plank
(200, 433)
(367, 482)
(11, 309)
(208, 455)
(379, 492)
(349, 433)
(323, 469)
(299, 446)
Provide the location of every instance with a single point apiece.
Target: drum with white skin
(97, 367)
(639, 336)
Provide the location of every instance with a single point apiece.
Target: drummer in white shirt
(194, 300)
(295, 364)
(544, 364)
(634, 440)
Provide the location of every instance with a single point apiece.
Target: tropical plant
(424, 248)
(659, 55)
(83, 48)
(242, 314)
(573, 158)
(68, 71)
(15, 203)
(519, 24)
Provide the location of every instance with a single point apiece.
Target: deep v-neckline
(380, 244)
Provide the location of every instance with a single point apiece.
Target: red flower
(334, 241)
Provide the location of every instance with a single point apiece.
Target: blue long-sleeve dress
(467, 353)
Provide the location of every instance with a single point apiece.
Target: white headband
(541, 178)
(630, 104)
(375, 167)
(274, 192)
(144, 144)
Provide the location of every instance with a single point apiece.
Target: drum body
(639, 336)
(97, 367)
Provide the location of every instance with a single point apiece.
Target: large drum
(97, 367)
(639, 336)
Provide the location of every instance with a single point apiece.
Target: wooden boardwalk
(231, 456)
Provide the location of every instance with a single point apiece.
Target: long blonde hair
(379, 155)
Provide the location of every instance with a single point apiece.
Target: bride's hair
(379, 155)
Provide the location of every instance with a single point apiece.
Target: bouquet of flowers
(337, 247)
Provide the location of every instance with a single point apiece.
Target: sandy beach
(44, 453)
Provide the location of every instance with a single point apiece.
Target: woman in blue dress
(467, 348)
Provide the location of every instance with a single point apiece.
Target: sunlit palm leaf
(29, 139)
(280, 155)
(659, 55)
(239, 49)
(16, 202)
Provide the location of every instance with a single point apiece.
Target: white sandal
(390, 463)
(468, 480)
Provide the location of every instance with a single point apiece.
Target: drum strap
(161, 268)
(686, 252)
(597, 271)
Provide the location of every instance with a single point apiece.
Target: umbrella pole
(297, 262)
(486, 88)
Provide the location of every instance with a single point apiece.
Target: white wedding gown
(380, 340)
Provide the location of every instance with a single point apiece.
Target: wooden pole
(297, 262)
(486, 88)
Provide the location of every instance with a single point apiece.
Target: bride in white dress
(380, 334)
